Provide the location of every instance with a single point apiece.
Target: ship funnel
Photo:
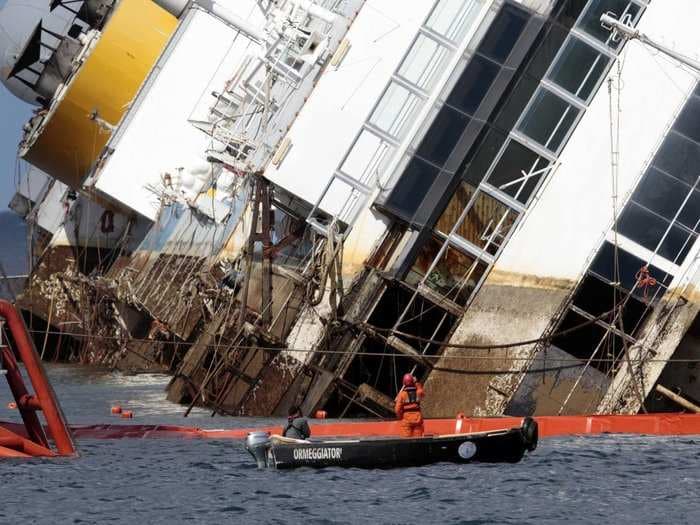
(258, 443)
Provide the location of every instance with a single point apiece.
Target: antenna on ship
(624, 29)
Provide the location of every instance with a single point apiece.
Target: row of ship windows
(662, 215)
(477, 222)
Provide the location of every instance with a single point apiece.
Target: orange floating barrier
(116, 409)
(667, 424)
(127, 414)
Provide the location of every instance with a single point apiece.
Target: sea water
(598, 479)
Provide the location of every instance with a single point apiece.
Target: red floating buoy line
(32, 438)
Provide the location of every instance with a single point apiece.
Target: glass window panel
(590, 21)
(444, 132)
(504, 33)
(597, 297)
(518, 171)
(424, 63)
(584, 341)
(688, 122)
(454, 209)
(569, 11)
(486, 152)
(426, 255)
(628, 266)
(548, 120)
(690, 215)
(368, 158)
(546, 52)
(394, 112)
(453, 18)
(648, 229)
(456, 275)
(579, 68)
(641, 226)
(677, 244)
(660, 193)
(412, 186)
(473, 84)
(679, 157)
(487, 223)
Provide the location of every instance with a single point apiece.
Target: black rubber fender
(530, 433)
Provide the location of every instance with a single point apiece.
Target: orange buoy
(116, 409)
(12, 405)
(320, 414)
(127, 414)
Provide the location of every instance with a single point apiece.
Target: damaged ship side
(302, 201)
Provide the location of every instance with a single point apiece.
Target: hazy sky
(13, 114)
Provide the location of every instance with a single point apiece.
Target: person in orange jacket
(407, 407)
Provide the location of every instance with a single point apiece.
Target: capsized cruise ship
(298, 201)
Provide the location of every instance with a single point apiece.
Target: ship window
(518, 171)
(413, 185)
(688, 122)
(690, 215)
(679, 157)
(677, 244)
(473, 84)
(424, 319)
(504, 33)
(579, 68)
(452, 213)
(590, 21)
(444, 132)
(647, 228)
(660, 193)
(546, 52)
(368, 158)
(424, 63)
(453, 18)
(628, 267)
(395, 111)
(426, 255)
(642, 226)
(569, 12)
(456, 275)
(486, 153)
(487, 223)
(597, 297)
(582, 343)
(549, 120)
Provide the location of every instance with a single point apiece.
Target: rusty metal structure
(35, 440)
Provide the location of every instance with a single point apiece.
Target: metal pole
(628, 32)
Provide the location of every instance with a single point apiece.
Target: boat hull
(500, 446)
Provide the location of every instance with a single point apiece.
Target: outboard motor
(258, 443)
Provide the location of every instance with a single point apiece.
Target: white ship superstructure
(299, 201)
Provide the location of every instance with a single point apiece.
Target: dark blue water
(600, 479)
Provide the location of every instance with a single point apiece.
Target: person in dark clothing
(297, 425)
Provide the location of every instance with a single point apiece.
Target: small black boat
(496, 446)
